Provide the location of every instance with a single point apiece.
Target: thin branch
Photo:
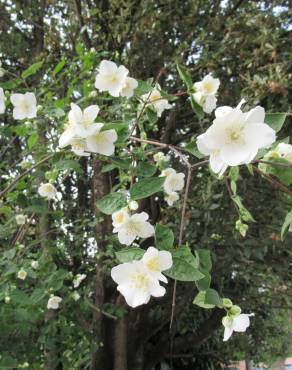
(274, 182)
(25, 173)
(110, 316)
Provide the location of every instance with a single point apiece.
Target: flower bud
(133, 205)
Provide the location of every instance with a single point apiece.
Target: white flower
(133, 205)
(111, 78)
(7, 299)
(134, 226)
(205, 93)
(238, 323)
(155, 101)
(78, 279)
(21, 274)
(25, 105)
(235, 137)
(160, 157)
(130, 86)
(157, 261)
(2, 101)
(102, 142)
(47, 191)
(83, 121)
(171, 198)
(285, 151)
(174, 181)
(75, 296)
(120, 217)
(34, 264)
(135, 283)
(20, 219)
(53, 302)
(208, 86)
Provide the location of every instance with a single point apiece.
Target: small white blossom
(25, 105)
(34, 264)
(132, 227)
(2, 101)
(78, 279)
(205, 93)
(171, 198)
(21, 274)
(160, 157)
(174, 181)
(235, 137)
(130, 86)
(135, 283)
(7, 299)
(20, 219)
(155, 101)
(111, 78)
(285, 151)
(238, 323)
(133, 205)
(54, 302)
(75, 296)
(120, 217)
(47, 191)
(157, 261)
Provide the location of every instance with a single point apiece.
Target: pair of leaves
(208, 299)
(142, 189)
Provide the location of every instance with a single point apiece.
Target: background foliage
(247, 44)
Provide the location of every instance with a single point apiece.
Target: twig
(180, 239)
(274, 182)
(29, 170)
(276, 164)
(101, 311)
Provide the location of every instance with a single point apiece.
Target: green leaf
(204, 284)
(145, 169)
(200, 301)
(204, 257)
(197, 108)
(59, 67)
(275, 120)
(130, 254)
(111, 203)
(37, 295)
(284, 174)
(32, 69)
(164, 237)
(143, 88)
(193, 149)
(68, 165)
(184, 75)
(124, 164)
(146, 187)
(151, 115)
(32, 140)
(185, 265)
(213, 298)
(286, 224)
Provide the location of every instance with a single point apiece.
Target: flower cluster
(84, 135)
(174, 182)
(205, 93)
(235, 137)
(139, 280)
(115, 80)
(129, 227)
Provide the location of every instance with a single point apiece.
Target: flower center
(120, 218)
(153, 264)
(208, 87)
(234, 135)
(140, 281)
